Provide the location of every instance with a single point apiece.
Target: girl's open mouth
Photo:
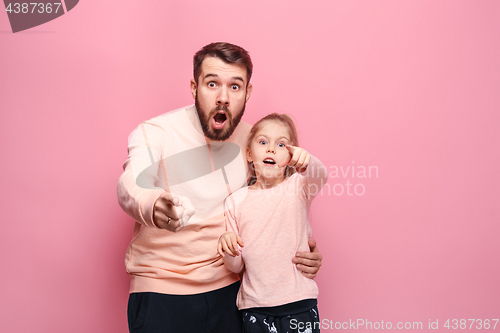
(219, 119)
(269, 161)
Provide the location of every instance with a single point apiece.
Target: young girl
(267, 223)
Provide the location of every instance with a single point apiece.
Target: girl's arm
(316, 176)
(233, 263)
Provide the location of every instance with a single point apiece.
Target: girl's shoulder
(237, 197)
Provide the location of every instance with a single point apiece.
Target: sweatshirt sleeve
(234, 264)
(315, 176)
(137, 186)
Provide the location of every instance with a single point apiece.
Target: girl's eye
(211, 84)
(262, 142)
(235, 87)
(281, 145)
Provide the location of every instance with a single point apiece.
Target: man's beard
(218, 134)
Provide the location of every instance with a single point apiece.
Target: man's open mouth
(269, 161)
(219, 119)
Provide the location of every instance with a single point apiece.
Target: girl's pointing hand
(299, 158)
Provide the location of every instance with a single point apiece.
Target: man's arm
(138, 195)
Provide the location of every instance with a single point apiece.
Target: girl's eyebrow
(283, 137)
(280, 138)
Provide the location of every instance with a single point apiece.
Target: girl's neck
(263, 184)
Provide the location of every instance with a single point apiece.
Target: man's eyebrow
(210, 75)
(233, 78)
(238, 78)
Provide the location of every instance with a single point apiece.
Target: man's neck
(195, 120)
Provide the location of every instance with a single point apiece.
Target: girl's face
(267, 151)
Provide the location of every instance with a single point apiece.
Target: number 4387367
(33, 7)
(476, 323)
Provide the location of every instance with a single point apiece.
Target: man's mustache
(221, 108)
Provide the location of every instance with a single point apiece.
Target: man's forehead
(212, 66)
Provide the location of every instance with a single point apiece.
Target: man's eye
(211, 84)
(235, 87)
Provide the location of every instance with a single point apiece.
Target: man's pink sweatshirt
(167, 153)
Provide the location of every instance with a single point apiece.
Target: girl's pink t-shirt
(274, 225)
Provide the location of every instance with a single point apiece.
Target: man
(181, 166)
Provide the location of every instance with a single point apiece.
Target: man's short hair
(229, 53)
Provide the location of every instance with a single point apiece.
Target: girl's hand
(299, 158)
(228, 243)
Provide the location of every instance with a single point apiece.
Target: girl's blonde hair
(286, 121)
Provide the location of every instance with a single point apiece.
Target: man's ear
(193, 88)
(249, 92)
(249, 156)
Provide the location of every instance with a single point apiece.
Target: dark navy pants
(259, 322)
(213, 311)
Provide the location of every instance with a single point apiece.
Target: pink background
(410, 87)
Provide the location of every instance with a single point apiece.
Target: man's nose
(223, 98)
